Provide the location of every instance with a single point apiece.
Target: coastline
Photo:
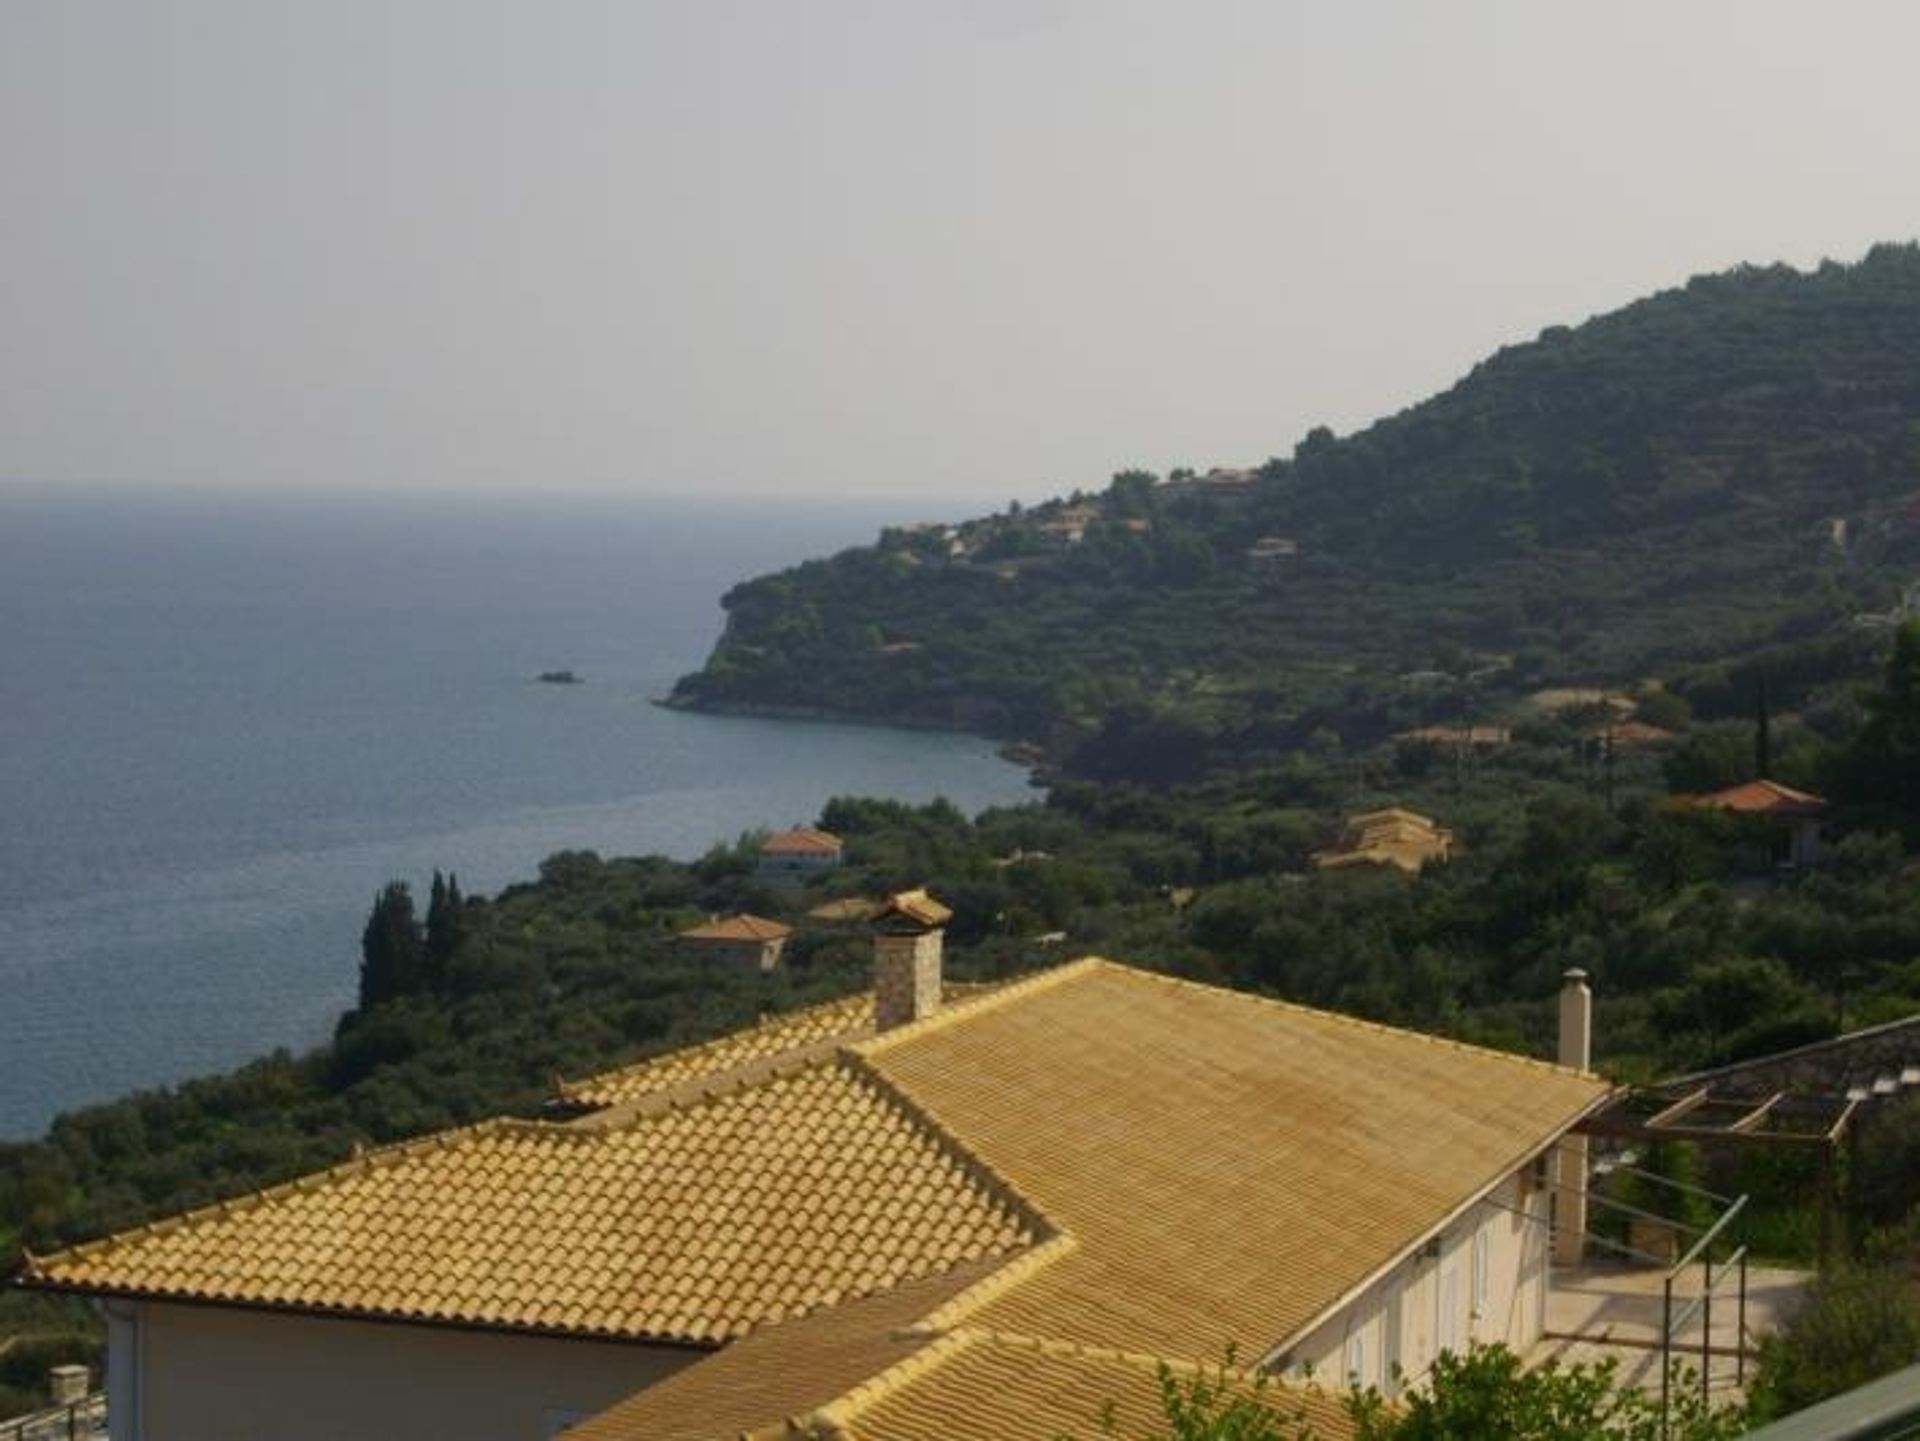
(1031, 756)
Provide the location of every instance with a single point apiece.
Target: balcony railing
(81, 1421)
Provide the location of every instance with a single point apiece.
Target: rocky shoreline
(1031, 756)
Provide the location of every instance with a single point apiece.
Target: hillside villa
(1484, 737)
(1634, 732)
(751, 943)
(797, 855)
(1270, 550)
(900, 1215)
(1390, 837)
(1793, 817)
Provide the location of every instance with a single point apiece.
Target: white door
(1446, 1328)
(1354, 1360)
(1482, 1260)
(1392, 1336)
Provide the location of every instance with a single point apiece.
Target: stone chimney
(1570, 1192)
(67, 1385)
(906, 958)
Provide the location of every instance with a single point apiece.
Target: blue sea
(225, 723)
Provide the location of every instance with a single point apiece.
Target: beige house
(902, 1215)
(1272, 550)
(752, 943)
(797, 855)
(1476, 736)
(1391, 837)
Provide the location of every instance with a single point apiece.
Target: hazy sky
(988, 249)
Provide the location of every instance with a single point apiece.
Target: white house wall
(1513, 1222)
(220, 1374)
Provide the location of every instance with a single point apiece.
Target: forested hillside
(1723, 469)
(1718, 488)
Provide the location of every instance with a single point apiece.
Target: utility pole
(1606, 758)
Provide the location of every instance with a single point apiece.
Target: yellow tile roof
(982, 1223)
(1228, 1167)
(687, 1223)
(868, 1372)
(979, 1384)
(811, 1031)
(786, 1370)
(843, 1020)
(1393, 837)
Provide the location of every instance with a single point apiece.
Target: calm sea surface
(224, 724)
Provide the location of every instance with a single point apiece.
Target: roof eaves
(371, 1316)
(1400, 1256)
(35, 1272)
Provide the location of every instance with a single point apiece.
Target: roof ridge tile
(996, 1283)
(1340, 1018)
(972, 1166)
(986, 1005)
(698, 1092)
(569, 1090)
(835, 1417)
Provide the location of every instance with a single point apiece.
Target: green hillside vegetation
(1699, 953)
(1224, 714)
(1723, 469)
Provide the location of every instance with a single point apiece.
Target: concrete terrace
(1600, 1311)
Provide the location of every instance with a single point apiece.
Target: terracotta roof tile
(1762, 797)
(738, 928)
(802, 841)
(915, 906)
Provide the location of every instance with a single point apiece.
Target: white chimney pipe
(1570, 1192)
(1576, 1021)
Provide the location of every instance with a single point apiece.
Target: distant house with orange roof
(1390, 837)
(798, 854)
(897, 1216)
(1795, 816)
(752, 943)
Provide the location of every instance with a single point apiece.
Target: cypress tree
(391, 950)
(445, 930)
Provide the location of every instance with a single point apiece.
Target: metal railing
(1883, 1410)
(1734, 1265)
(81, 1421)
(1677, 1310)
